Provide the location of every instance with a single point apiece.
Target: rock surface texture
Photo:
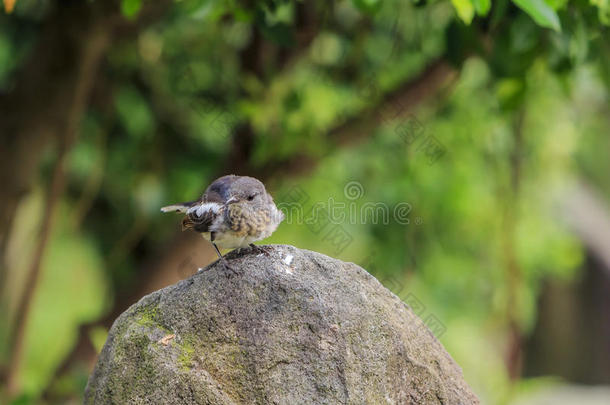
(291, 327)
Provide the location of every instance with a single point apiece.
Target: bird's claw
(259, 249)
(232, 271)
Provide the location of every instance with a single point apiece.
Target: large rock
(291, 327)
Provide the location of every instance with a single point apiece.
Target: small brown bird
(234, 212)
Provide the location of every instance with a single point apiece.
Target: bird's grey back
(220, 189)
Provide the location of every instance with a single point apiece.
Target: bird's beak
(232, 200)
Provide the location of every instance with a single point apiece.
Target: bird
(233, 212)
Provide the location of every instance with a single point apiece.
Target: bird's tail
(180, 207)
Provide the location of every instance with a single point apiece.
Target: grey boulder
(290, 327)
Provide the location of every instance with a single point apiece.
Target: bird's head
(247, 190)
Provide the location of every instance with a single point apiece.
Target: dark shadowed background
(458, 150)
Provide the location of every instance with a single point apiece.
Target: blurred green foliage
(172, 98)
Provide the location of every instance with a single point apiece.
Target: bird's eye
(251, 197)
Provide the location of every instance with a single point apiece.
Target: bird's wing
(200, 216)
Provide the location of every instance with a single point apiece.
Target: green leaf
(134, 113)
(482, 7)
(604, 10)
(281, 33)
(368, 6)
(130, 8)
(541, 12)
(464, 9)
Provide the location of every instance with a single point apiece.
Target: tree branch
(400, 101)
(40, 110)
(70, 48)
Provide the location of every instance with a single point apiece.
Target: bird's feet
(231, 271)
(259, 249)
